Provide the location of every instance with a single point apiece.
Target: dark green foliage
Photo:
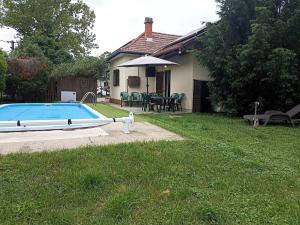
(65, 21)
(87, 67)
(3, 70)
(11, 86)
(50, 51)
(253, 53)
(33, 90)
(43, 48)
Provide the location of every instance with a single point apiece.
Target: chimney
(148, 27)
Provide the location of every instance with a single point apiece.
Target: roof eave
(118, 52)
(192, 38)
(181, 47)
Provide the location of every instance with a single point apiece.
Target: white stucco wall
(183, 76)
(182, 79)
(124, 73)
(200, 72)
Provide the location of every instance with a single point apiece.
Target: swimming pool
(15, 112)
(30, 117)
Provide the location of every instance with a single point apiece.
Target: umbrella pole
(147, 85)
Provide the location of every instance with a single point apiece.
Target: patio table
(164, 101)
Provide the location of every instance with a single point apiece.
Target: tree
(253, 53)
(3, 70)
(47, 49)
(27, 80)
(65, 21)
(87, 67)
(105, 68)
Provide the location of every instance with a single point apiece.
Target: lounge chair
(292, 116)
(125, 98)
(294, 113)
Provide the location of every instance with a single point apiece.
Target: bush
(84, 67)
(26, 68)
(3, 70)
(34, 90)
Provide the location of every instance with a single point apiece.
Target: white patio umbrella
(147, 61)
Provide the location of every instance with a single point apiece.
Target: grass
(225, 172)
(109, 111)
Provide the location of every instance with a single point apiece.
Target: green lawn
(225, 172)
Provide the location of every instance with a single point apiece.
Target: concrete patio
(27, 142)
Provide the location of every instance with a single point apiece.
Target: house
(188, 77)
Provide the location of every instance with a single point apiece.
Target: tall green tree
(66, 21)
(3, 70)
(253, 53)
(50, 51)
(30, 64)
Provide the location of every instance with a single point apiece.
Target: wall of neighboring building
(124, 73)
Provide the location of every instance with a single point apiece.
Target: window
(150, 71)
(116, 77)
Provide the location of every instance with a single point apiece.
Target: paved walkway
(57, 140)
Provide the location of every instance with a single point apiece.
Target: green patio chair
(145, 101)
(171, 104)
(125, 98)
(158, 102)
(135, 98)
(178, 101)
(153, 94)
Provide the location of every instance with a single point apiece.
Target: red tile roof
(143, 45)
(180, 42)
(160, 45)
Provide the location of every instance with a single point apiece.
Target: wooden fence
(80, 85)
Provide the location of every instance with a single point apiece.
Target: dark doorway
(167, 83)
(201, 102)
(160, 83)
(163, 83)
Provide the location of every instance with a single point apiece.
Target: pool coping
(109, 134)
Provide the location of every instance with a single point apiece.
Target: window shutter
(116, 77)
(134, 81)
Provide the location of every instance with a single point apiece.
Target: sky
(119, 21)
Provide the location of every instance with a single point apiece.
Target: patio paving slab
(37, 141)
